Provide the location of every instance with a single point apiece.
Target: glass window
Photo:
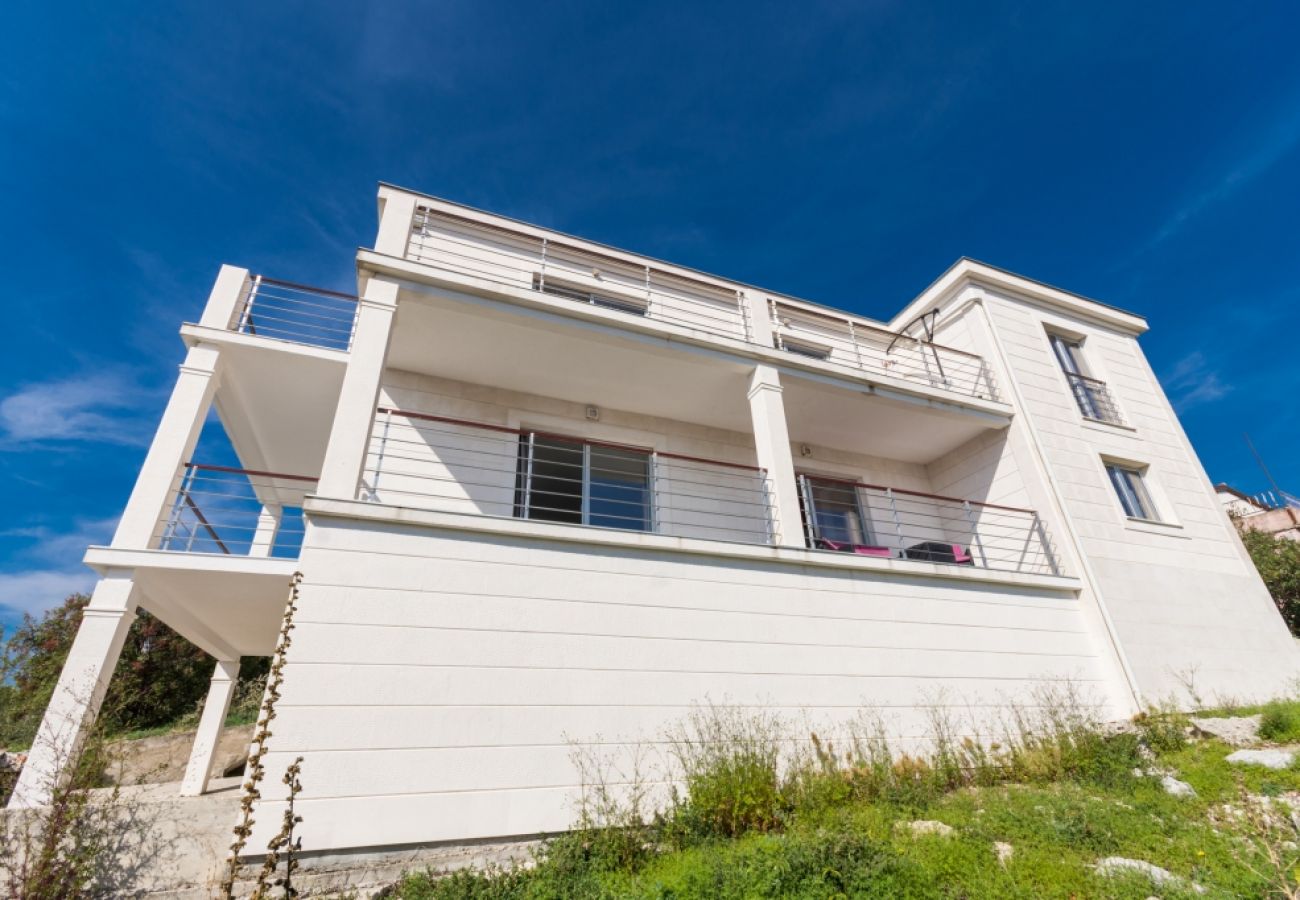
(1132, 491)
(1086, 390)
(836, 513)
(568, 480)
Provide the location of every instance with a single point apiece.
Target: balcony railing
(285, 311)
(565, 269)
(1094, 399)
(515, 258)
(847, 342)
(891, 523)
(435, 462)
(220, 509)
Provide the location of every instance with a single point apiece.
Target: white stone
(1177, 788)
(1003, 851)
(1239, 731)
(1119, 865)
(928, 826)
(1270, 759)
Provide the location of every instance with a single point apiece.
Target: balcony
(1093, 398)
(284, 311)
(477, 254)
(424, 461)
(235, 512)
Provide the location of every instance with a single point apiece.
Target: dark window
(836, 511)
(567, 480)
(1132, 491)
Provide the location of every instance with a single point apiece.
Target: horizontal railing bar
(326, 292)
(879, 487)
(207, 467)
(567, 437)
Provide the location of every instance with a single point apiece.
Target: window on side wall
(561, 479)
(1130, 486)
(833, 513)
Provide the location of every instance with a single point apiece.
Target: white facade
(552, 494)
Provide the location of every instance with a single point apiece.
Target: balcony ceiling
(538, 353)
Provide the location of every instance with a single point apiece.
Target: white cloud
(41, 589)
(1191, 383)
(102, 408)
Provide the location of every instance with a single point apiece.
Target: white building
(546, 491)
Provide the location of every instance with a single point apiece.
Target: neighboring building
(545, 493)
(1274, 512)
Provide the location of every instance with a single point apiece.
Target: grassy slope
(854, 849)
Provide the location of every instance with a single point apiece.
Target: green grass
(832, 829)
(1280, 721)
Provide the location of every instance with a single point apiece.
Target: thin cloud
(103, 408)
(49, 568)
(1192, 383)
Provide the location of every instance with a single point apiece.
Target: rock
(1177, 788)
(1239, 731)
(1278, 758)
(927, 826)
(11, 761)
(1003, 851)
(1118, 865)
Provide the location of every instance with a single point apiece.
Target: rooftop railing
(1094, 399)
(453, 465)
(284, 311)
(517, 258)
(892, 523)
(560, 268)
(239, 512)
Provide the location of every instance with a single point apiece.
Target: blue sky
(1144, 154)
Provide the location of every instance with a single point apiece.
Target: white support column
(396, 212)
(173, 442)
(350, 435)
(268, 525)
(760, 318)
(80, 690)
(772, 441)
(226, 298)
(220, 690)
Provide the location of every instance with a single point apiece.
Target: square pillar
(268, 525)
(772, 442)
(226, 301)
(760, 318)
(80, 690)
(350, 435)
(220, 690)
(396, 215)
(173, 442)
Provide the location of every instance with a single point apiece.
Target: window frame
(1129, 482)
(525, 474)
(808, 507)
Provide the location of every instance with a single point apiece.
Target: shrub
(1163, 730)
(1280, 721)
(1278, 562)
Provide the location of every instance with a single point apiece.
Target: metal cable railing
(848, 342)
(1094, 399)
(453, 465)
(566, 269)
(285, 311)
(891, 523)
(221, 509)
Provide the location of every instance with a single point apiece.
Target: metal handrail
(287, 311)
(219, 509)
(1093, 398)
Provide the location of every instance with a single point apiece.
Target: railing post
(396, 221)
(349, 441)
(1046, 545)
(974, 533)
(173, 442)
(379, 456)
(898, 522)
(758, 318)
(772, 444)
(226, 299)
(268, 525)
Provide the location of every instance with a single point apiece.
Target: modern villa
(546, 494)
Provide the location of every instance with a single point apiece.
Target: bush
(1278, 561)
(1280, 721)
(159, 678)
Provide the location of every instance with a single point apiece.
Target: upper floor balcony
(480, 254)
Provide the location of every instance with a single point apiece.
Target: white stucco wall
(436, 676)
(1187, 605)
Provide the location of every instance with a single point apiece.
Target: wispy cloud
(49, 567)
(1267, 148)
(101, 408)
(1191, 382)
